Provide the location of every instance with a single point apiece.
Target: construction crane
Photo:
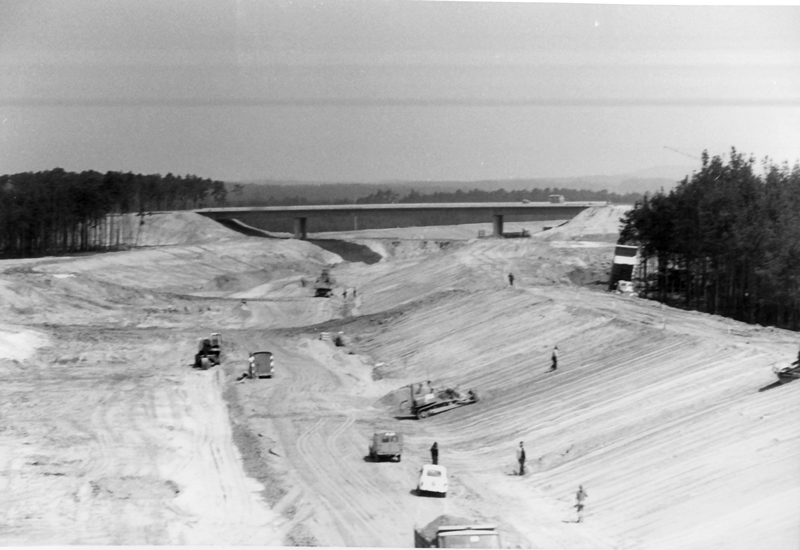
(682, 153)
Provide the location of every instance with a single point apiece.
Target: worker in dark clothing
(521, 459)
(511, 279)
(554, 358)
(580, 496)
(435, 453)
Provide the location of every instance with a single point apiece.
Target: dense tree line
(391, 195)
(726, 241)
(56, 211)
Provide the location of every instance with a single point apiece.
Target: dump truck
(425, 401)
(261, 364)
(323, 286)
(386, 445)
(449, 532)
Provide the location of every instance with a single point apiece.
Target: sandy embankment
(669, 418)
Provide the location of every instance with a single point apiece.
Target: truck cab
(468, 536)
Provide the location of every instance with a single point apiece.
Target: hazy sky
(378, 90)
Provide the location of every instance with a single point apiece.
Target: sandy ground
(671, 420)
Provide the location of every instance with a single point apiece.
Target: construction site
(206, 387)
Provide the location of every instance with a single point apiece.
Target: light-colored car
(432, 479)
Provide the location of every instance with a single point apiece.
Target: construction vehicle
(206, 356)
(262, 364)
(787, 373)
(448, 532)
(216, 344)
(626, 288)
(425, 401)
(432, 480)
(386, 445)
(323, 286)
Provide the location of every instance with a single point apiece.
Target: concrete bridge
(256, 215)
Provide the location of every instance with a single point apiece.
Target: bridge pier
(497, 225)
(300, 231)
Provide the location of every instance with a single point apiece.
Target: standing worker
(554, 357)
(435, 453)
(521, 459)
(580, 496)
(511, 279)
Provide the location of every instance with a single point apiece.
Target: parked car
(262, 364)
(432, 479)
(386, 445)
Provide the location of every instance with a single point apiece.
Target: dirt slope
(670, 419)
(595, 224)
(665, 427)
(105, 438)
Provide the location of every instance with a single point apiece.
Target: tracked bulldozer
(787, 373)
(425, 401)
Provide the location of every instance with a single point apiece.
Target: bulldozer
(323, 286)
(787, 373)
(425, 401)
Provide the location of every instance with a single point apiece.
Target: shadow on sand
(349, 251)
(775, 384)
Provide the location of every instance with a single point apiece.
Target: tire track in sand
(354, 502)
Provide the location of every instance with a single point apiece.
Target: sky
(387, 90)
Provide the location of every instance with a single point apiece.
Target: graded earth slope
(670, 419)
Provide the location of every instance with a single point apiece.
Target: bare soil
(671, 420)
